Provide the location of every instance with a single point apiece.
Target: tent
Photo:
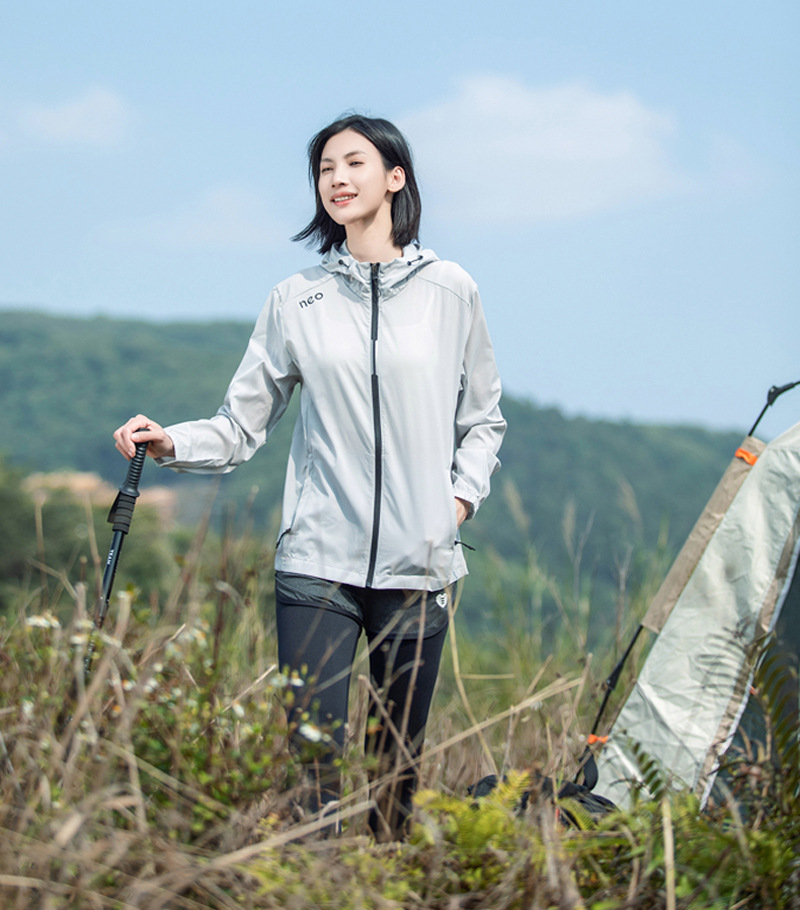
(735, 580)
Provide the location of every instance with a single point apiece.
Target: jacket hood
(391, 275)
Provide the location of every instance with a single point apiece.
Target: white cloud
(502, 151)
(227, 216)
(98, 117)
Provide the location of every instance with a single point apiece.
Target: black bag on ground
(578, 806)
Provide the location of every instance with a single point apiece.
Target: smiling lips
(343, 198)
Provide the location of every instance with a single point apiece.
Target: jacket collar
(391, 275)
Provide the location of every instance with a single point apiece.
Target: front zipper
(376, 423)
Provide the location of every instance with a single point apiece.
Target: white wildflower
(310, 732)
(281, 680)
(43, 621)
(237, 709)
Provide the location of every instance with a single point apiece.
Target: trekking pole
(120, 517)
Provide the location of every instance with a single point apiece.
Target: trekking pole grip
(131, 485)
(122, 509)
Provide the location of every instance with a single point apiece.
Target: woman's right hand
(142, 429)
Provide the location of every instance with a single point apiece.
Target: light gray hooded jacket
(399, 414)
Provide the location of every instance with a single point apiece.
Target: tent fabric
(770, 612)
(693, 687)
(703, 531)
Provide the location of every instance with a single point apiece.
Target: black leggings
(321, 645)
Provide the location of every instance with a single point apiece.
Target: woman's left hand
(462, 510)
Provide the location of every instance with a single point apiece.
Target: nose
(338, 177)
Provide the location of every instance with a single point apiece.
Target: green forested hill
(65, 384)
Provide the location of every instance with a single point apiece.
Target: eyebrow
(348, 155)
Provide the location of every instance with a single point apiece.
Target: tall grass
(162, 779)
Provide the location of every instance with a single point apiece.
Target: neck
(370, 244)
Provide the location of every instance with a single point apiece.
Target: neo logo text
(312, 299)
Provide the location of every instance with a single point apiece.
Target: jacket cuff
(168, 460)
(462, 490)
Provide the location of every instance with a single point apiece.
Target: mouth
(343, 198)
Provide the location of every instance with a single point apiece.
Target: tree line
(588, 499)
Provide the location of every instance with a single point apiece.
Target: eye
(325, 169)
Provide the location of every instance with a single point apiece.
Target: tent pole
(774, 393)
(587, 764)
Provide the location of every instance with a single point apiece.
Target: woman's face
(354, 186)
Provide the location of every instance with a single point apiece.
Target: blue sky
(621, 178)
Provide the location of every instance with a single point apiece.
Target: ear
(395, 179)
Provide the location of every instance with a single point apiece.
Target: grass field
(162, 778)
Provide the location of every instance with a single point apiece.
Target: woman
(396, 440)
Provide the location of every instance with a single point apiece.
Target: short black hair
(395, 152)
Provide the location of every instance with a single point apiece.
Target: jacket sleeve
(479, 425)
(256, 398)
